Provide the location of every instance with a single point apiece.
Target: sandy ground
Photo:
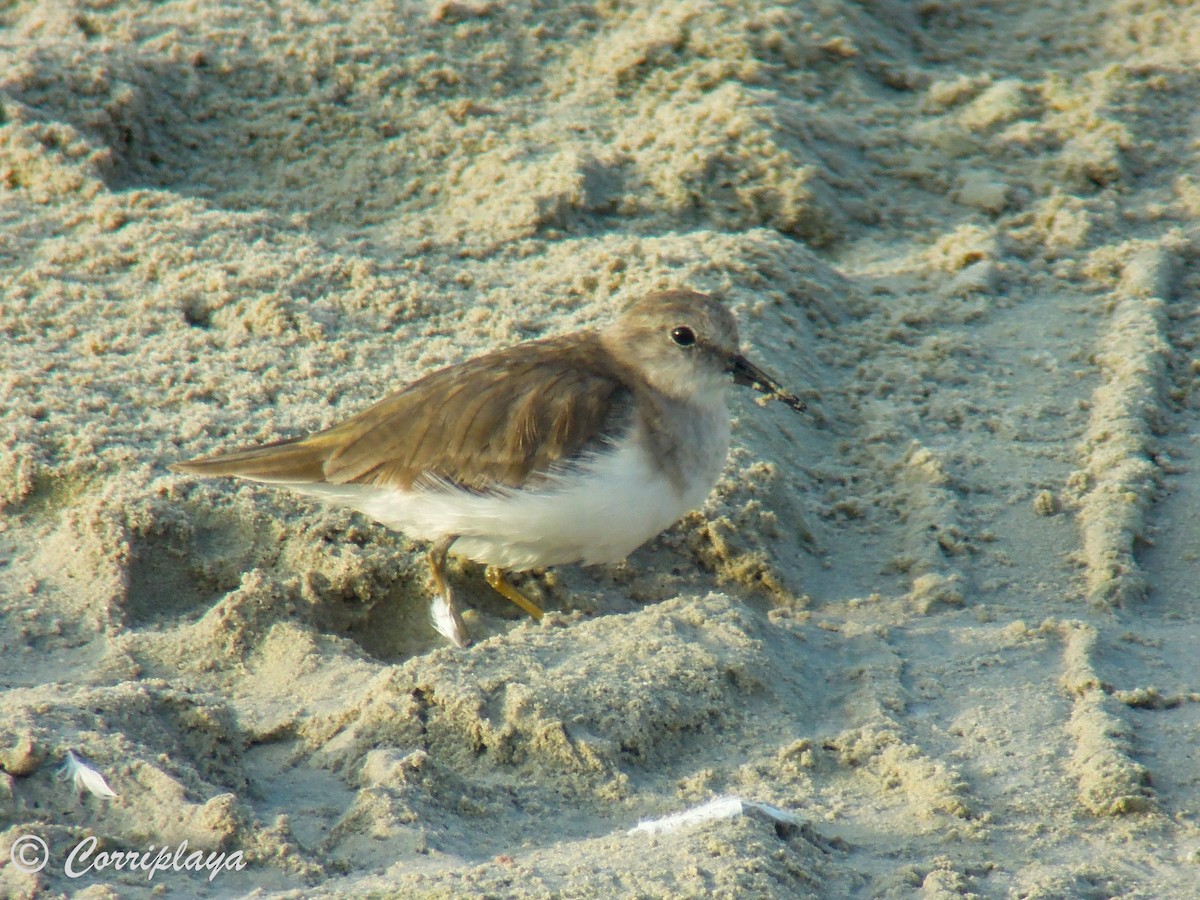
(948, 620)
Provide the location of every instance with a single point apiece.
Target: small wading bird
(572, 449)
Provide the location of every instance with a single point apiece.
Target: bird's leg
(445, 615)
(496, 578)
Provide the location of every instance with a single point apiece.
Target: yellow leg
(444, 612)
(496, 578)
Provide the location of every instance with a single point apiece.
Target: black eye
(683, 336)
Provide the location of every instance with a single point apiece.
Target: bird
(575, 449)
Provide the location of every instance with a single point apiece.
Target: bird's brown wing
(499, 420)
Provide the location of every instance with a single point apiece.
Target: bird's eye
(683, 336)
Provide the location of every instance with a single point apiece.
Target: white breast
(599, 512)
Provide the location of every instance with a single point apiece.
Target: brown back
(499, 420)
(495, 420)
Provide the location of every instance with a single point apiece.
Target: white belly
(598, 513)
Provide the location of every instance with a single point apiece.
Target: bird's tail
(293, 461)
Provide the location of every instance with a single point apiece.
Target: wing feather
(501, 420)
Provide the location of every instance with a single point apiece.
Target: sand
(945, 623)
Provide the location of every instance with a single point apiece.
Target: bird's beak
(746, 373)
